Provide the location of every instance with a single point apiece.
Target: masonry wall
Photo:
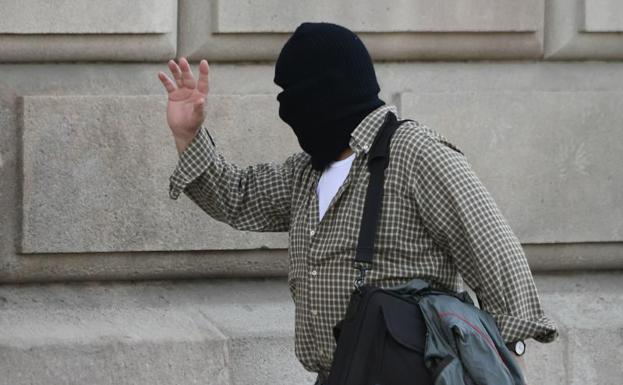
(105, 280)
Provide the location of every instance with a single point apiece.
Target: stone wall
(531, 91)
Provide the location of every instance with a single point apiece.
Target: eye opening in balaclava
(329, 87)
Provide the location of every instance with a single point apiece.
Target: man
(437, 220)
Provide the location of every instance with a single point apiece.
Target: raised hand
(186, 100)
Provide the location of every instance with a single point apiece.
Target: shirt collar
(362, 137)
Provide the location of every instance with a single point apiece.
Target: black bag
(381, 339)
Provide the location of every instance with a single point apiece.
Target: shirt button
(314, 312)
(365, 147)
(312, 233)
(314, 273)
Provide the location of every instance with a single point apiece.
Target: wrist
(182, 141)
(181, 144)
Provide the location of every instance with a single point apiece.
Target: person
(438, 222)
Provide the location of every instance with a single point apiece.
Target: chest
(334, 234)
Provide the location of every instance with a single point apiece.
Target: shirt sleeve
(255, 198)
(465, 222)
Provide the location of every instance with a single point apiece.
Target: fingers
(188, 80)
(166, 82)
(184, 77)
(176, 72)
(204, 69)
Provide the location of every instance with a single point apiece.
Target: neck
(345, 154)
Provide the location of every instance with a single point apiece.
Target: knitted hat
(329, 86)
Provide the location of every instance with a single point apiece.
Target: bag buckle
(363, 268)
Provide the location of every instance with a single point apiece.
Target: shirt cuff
(192, 162)
(513, 328)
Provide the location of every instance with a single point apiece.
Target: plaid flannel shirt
(437, 222)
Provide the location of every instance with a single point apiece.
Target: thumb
(198, 109)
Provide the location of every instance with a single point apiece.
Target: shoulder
(297, 163)
(414, 140)
(298, 166)
(299, 160)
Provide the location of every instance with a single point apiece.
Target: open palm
(187, 97)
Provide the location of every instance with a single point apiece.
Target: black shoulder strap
(378, 159)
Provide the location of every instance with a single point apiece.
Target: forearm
(465, 221)
(255, 198)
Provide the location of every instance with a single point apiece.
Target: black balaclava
(329, 86)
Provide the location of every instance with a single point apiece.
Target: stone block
(540, 155)
(546, 362)
(242, 79)
(403, 30)
(95, 173)
(603, 16)
(591, 352)
(588, 311)
(584, 29)
(241, 332)
(67, 30)
(99, 335)
(114, 359)
(148, 333)
(242, 16)
(87, 17)
(266, 360)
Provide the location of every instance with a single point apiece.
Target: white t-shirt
(330, 182)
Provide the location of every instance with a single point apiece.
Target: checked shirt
(437, 222)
